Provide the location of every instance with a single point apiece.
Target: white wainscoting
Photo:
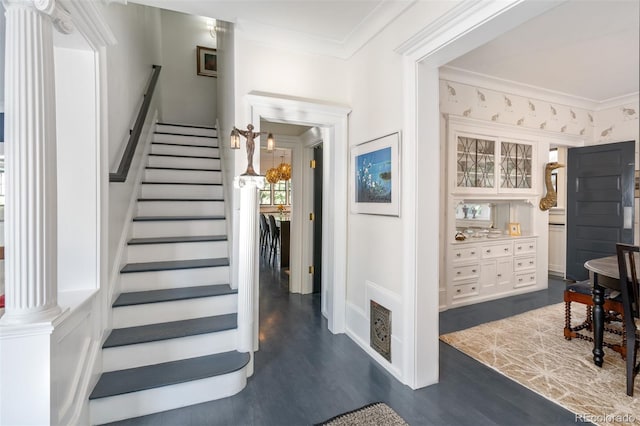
(358, 326)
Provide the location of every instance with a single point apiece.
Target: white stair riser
(178, 228)
(181, 191)
(137, 253)
(194, 176)
(185, 140)
(180, 208)
(164, 398)
(176, 278)
(175, 310)
(184, 162)
(132, 356)
(184, 150)
(181, 130)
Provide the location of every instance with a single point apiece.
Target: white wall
(129, 67)
(2, 37)
(190, 98)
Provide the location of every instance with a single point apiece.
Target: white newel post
(30, 213)
(247, 244)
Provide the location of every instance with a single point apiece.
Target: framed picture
(375, 176)
(207, 61)
(514, 229)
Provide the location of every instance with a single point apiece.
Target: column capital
(60, 17)
(248, 180)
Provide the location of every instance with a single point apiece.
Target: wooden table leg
(598, 321)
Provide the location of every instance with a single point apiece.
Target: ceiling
(281, 129)
(335, 27)
(586, 49)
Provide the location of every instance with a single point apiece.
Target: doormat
(375, 414)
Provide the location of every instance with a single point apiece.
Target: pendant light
(272, 175)
(284, 169)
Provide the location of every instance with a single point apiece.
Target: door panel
(317, 222)
(600, 184)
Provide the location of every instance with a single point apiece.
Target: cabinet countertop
(485, 240)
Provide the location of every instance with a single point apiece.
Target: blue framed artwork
(375, 176)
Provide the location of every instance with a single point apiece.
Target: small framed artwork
(207, 59)
(514, 229)
(375, 176)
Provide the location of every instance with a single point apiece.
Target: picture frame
(375, 176)
(514, 229)
(207, 61)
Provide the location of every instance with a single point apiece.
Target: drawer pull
(458, 254)
(458, 291)
(489, 251)
(531, 246)
(499, 275)
(506, 249)
(519, 263)
(458, 272)
(520, 279)
(473, 252)
(473, 288)
(519, 247)
(473, 270)
(531, 262)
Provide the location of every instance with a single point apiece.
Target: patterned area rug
(530, 349)
(376, 414)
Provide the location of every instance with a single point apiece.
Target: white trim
(90, 22)
(618, 101)
(333, 120)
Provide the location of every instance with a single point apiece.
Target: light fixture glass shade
(272, 175)
(235, 139)
(271, 142)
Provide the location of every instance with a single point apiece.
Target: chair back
(628, 256)
(264, 227)
(273, 226)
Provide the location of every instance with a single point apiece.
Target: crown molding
(471, 78)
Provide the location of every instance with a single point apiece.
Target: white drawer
(465, 253)
(524, 247)
(464, 290)
(522, 263)
(490, 251)
(464, 272)
(525, 279)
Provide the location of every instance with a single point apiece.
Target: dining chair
(580, 292)
(275, 237)
(264, 233)
(627, 266)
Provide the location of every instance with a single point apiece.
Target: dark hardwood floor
(304, 374)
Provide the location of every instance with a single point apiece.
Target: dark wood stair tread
(184, 134)
(171, 294)
(170, 240)
(182, 168)
(194, 126)
(174, 218)
(174, 264)
(168, 373)
(185, 144)
(184, 156)
(181, 199)
(179, 183)
(170, 330)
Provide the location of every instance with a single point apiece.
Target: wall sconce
(249, 134)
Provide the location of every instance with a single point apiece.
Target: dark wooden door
(600, 196)
(317, 220)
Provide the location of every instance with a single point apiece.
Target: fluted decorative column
(30, 160)
(247, 260)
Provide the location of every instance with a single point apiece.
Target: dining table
(604, 275)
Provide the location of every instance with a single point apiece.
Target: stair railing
(134, 134)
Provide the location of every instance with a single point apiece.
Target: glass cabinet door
(475, 163)
(515, 165)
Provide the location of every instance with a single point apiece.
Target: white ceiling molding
(89, 21)
(366, 29)
(467, 17)
(471, 78)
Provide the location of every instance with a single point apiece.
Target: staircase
(174, 324)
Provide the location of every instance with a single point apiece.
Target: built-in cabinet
(491, 183)
(483, 270)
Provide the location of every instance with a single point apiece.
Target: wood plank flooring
(305, 375)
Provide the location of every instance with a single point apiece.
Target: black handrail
(134, 134)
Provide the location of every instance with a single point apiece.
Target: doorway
(317, 220)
